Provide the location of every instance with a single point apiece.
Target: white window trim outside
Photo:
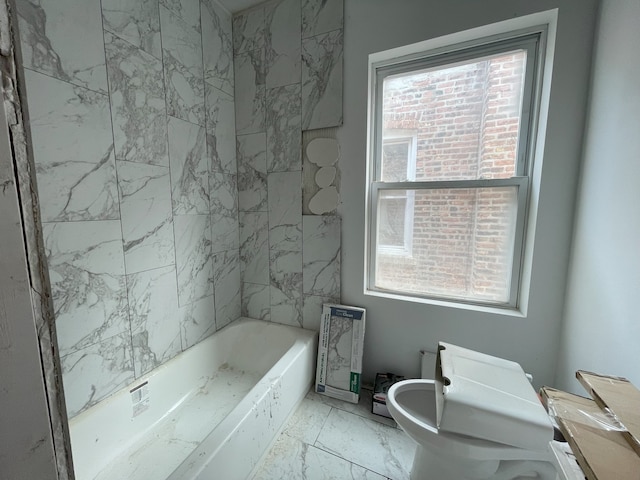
(542, 21)
(410, 137)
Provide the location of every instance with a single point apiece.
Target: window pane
(462, 241)
(467, 116)
(395, 161)
(391, 219)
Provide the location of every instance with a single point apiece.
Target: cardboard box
(380, 389)
(340, 352)
(599, 446)
(619, 396)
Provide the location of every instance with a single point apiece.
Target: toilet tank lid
(490, 398)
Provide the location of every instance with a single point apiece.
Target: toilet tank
(489, 398)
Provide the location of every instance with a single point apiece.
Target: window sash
(407, 246)
(408, 138)
(533, 40)
(522, 186)
(530, 43)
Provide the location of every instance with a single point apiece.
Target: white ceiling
(237, 5)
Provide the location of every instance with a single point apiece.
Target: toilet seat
(412, 404)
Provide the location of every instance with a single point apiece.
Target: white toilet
(479, 419)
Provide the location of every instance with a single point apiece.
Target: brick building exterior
(454, 123)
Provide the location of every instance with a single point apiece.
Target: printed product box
(340, 352)
(380, 389)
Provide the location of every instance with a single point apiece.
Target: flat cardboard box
(621, 397)
(340, 349)
(602, 453)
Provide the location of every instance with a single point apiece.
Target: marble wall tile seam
(221, 138)
(148, 270)
(151, 44)
(187, 121)
(251, 19)
(194, 260)
(190, 194)
(124, 39)
(137, 100)
(44, 30)
(193, 24)
(74, 85)
(312, 26)
(124, 332)
(277, 87)
(255, 283)
(182, 40)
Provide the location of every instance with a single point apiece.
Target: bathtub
(209, 413)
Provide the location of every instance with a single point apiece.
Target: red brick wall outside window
(464, 120)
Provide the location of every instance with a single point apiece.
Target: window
(398, 164)
(450, 169)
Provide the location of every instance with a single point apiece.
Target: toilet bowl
(504, 438)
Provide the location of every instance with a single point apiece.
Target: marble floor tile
(322, 69)
(63, 39)
(73, 150)
(362, 408)
(147, 221)
(136, 21)
(292, 459)
(138, 109)
(307, 421)
(383, 449)
(217, 47)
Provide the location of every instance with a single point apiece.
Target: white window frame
(410, 137)
(528, 185)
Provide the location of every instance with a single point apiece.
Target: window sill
(506, 311)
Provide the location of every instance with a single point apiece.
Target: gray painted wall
(396, 331)
(601, 328)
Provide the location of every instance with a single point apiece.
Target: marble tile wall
(131, 106)
(288, 79)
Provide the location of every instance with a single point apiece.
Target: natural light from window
(451, 174)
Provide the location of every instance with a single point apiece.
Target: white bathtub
(211, 412)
